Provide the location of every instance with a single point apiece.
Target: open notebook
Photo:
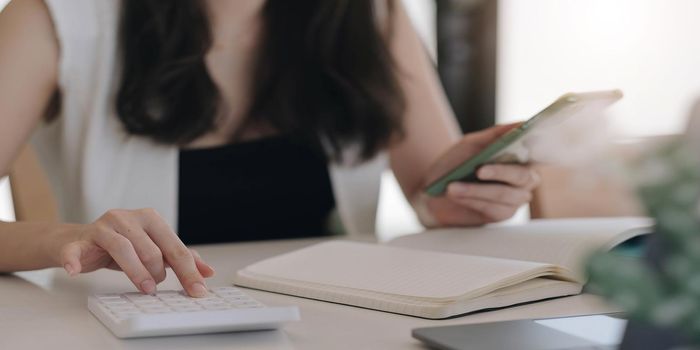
(447, 272)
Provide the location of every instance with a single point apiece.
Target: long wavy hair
(323, 74)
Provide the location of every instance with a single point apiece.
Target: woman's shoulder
(30, 14)
(61, 19)
(23, 22)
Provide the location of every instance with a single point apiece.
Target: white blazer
(94, 165)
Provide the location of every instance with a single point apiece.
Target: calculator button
(231, 293)
(236, 299)
(187, 308)
(218, 304)
(148, 300)
(217, 307)
(102, 297)
(140, 298)
(157, 311)
(126, 314)
(247, 304)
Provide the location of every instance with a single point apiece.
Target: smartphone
(519, 144)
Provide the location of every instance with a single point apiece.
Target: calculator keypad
(126, 305)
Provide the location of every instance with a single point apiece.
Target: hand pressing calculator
(226, 309)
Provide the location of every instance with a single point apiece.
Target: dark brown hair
(323, 74)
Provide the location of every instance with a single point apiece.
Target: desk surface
(47, 309)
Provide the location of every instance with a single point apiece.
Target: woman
(234, 120)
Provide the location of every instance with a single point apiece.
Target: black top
(269, 188)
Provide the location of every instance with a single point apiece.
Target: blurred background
(503, 60)
(6, 211)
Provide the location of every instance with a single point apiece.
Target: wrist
(421, 205)
(59, 237)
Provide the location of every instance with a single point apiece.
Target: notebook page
(562, 242)
(528, 291)
(396, 271)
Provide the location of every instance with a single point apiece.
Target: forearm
(32, 245)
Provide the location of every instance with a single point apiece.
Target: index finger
(175, 253)
(515, 175)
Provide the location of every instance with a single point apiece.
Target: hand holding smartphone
(517, 145)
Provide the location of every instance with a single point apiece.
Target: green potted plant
(662, 292)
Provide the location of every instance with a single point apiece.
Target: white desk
(47, 310)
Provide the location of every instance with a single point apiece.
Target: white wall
(648, 48)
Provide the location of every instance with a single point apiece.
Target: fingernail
(70, 269)
(148, 287)
(485, 173)
(198, 290)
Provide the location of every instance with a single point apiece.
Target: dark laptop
(585, 332)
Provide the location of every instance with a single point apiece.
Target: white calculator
(226, 309)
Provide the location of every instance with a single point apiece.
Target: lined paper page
(397, 271)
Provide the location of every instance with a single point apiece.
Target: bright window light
(7, 212)
(647, 48)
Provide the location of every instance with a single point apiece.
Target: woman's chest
(230, 64)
